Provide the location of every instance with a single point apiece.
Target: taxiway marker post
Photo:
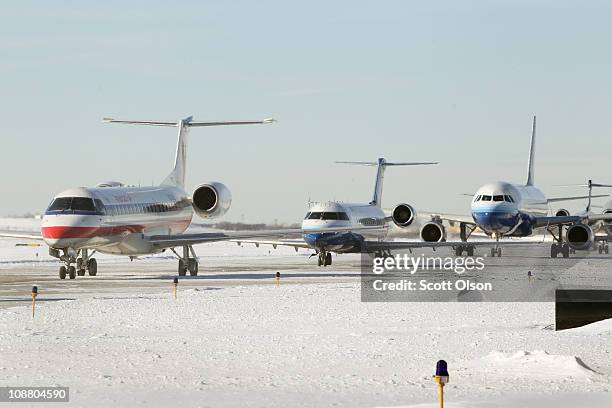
(34, 294)
(441, 378)
(529, 275)
(277, 279)
(175, 281)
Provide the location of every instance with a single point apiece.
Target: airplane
(113, 218)
(352, 215)
(503, 209)
(597, 225)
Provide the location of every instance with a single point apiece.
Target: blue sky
(455, 82)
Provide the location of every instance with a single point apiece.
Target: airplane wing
(377, 246)
(466, 219)
(586, 197)
(21, 235)
(295, 244)
(170, 241)
(570, 219)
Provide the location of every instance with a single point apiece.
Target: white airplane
(504, 209)
(116, 219)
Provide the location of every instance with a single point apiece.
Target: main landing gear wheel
(328, 259)
(62, 272)
(80, 267)
(496, 252)
(469, 250)
(192, 265)
(71, 272)
(565, 250)
(187, 263)
(92, 267)
(182, 269)
(556, 249)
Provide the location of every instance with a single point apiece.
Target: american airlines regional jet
(116, 219)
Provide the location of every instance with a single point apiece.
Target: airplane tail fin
(382, 165)
(530, 171)
(177, 176)
(590, 185)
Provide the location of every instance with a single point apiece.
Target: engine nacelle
(433, 231)
(580, 236)
(403, 215)
(562, 212)
(211, 200)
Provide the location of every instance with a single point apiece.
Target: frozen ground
(233, 338)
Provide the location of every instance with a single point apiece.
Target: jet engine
(433, 231)
(562, 212)
(403, 215)
(580, 236)
(211, 200)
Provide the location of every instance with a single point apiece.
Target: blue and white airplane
(334, 214)
(503, 209)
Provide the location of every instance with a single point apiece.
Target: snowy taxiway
(234, 338)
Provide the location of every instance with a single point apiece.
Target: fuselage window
(486, 198)
(498, 198)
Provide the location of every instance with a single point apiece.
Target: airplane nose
(63, 231)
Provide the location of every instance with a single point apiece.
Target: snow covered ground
(233, 338)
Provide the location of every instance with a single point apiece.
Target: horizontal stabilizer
(189, 122)
(361, 163)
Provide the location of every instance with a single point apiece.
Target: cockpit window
(477, 198)
(509, 198)
(327, 216)
(64, 204)
(498, 198)
(486, 198)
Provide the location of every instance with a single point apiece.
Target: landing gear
(465, 230)
(80, 267)
(496, 251)
(469, 250)
(187, 263)
(92, 267)
(324, 259)
(559, 247)
(603, 248)
(81, 258)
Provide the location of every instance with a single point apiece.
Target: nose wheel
(83, 264)
(325, 258)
